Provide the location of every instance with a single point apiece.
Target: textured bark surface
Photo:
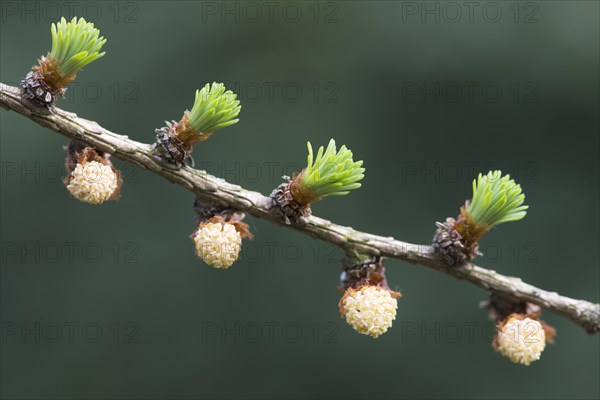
(217, 190)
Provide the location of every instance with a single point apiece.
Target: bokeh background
(110, 301)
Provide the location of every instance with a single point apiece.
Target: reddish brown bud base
(456, 239)
(292, 200)
(174, 142)
(43, 84)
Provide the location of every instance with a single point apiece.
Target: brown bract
(292, 199)
(80, 155)
(300, 193)
(44, 83)
(48, 68)
(456, 240)
(174, 142)
(451, 246)
(241, 227)
(370, 272)
(503, 309)
(467, 228)
(207, 212)
(185, 132)
(286, 206)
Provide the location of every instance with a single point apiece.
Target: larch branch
(208, 187)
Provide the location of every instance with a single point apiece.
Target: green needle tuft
(331, 173)
(496, 199)
(214, 108)
(75, 45)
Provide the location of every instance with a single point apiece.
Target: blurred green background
(111, 302)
